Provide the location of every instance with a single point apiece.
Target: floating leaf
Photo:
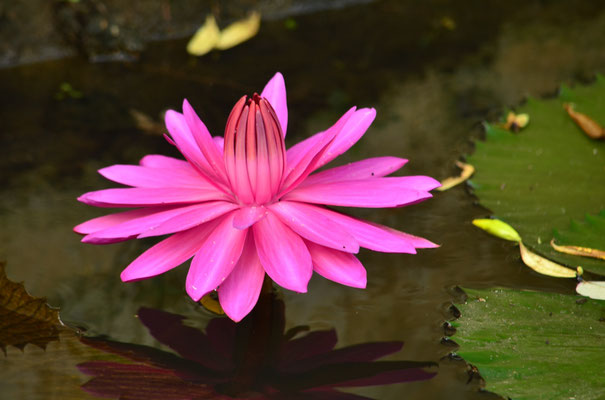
(25, 319)
(532, 345)
(590, 127)
(209, 36)
(543, 265)
(205, 39)
(147, 124)
(592, 289)
(546, 175)
(498, 228)
(467, 172)
(239, 31)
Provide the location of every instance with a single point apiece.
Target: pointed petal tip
(194, 292)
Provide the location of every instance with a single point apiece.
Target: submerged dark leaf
(25, 319)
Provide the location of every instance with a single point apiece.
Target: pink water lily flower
(244, 206)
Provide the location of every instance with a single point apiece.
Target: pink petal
(282, 253)
(107, 221)
(219, 141)
(195, 215)
(248, 216)
(377, 237)
(365, 169)
(239, 292)
(313, 226)
(204, 140)
(137, 176)
(135, 226)
(215, 260)
(379, 192)
(167, 254)
(354, 128)
(160, 161)
(296, 152)
(183, 138)
(275, 93)
(337, 266)
(138, 197)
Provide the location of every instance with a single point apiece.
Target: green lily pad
(548, 174)
(534, 345)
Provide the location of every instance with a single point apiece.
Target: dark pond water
(433, 71)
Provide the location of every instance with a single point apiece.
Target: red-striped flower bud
(255, 152)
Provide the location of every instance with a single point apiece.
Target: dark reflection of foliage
(253, 359)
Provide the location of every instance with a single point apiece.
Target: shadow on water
(432, 70)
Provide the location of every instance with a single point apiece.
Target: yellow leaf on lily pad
(578, 250)
(543, 265)
(239, 31)
(498, 228)
(205, 39)
(594, 289)
(516, 122)
(448, 183)
(590, 127)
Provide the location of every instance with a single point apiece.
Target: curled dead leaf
(448, 183)
(543, 265)
(590, 127)
(578, 250)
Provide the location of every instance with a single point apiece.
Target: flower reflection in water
(255, 359)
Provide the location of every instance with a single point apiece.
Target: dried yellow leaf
(544, 266)
(239, 31)
(587, 124)
(578, 250)
(205, 39)
(498, 228)
(448, 183)
(594, 289)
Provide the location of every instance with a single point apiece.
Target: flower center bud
(254, 153)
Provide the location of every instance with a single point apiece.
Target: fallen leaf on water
(590, 127)
(516, 122)
(448, 183)
(594, 289)
(25, 319)
(205, 38)
(209, 36)
(211, 304)
(578, 250)
(239, 31)
(498, 228)
(544, 266)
